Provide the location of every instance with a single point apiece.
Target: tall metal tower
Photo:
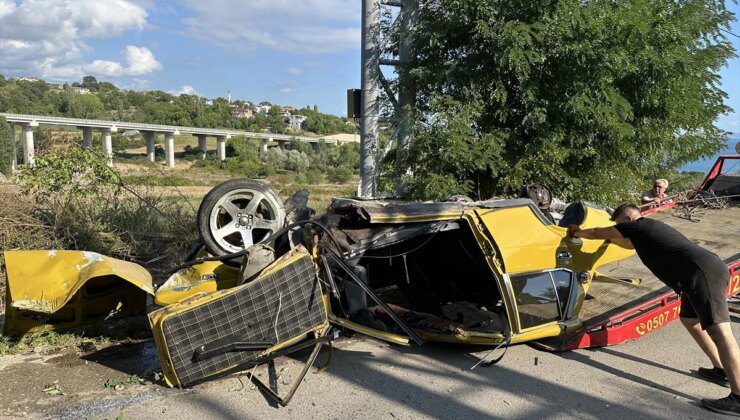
(373, 79)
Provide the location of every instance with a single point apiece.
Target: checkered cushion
(279, 307)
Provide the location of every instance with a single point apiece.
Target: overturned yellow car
(494, 272)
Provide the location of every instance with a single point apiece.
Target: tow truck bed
(615, 312)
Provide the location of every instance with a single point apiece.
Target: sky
(287, 52)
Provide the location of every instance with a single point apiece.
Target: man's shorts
(705, 293)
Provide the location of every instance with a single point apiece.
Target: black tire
(228, 221)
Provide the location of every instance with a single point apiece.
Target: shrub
(242, 147)
(79, 203)
(296, 161)
(275, 157)
(242, 168)
(314, 176)
(6, 148)
(339, 175)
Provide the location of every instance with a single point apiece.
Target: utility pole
(406, 85)
(370, 58)
(373, 80)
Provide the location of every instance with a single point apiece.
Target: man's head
(626, 213)
(659, 187)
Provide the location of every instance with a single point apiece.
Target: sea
(705, 165)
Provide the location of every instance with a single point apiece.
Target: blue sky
(289, 52)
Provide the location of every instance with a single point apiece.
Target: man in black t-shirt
(700, 277)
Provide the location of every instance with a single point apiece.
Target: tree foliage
(589, 97)
(6, 148)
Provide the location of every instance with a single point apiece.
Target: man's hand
(572, 229)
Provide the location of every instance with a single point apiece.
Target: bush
(314, 176)
(78, 203)
(339, 175)
(275, 157)
(120, 142)
(243, 147)
(301, 146)
(6, 148)
(296, 161)
(242, 168)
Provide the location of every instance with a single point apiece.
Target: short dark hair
(622, 209)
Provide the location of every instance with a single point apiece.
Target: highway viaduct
(27, 124)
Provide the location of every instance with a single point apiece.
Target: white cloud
(140, 61)
(286, 90)
(104, 68)
(307, 26)
(188, 90)
(47, 37)
(294, 71)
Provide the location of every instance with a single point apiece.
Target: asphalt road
(649, 378)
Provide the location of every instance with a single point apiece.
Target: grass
(165, 180)
(86, 338)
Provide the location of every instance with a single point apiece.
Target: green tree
(6, 148)
(85, 106)
(589, 97)
(90, 82)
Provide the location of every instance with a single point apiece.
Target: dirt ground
(649, 378)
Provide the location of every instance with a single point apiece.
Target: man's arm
(594, 233)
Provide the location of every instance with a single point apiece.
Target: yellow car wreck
(494, 273)
(271, 280)
(54, 290)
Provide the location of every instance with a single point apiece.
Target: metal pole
(369, 101)
(406, 85)
(15, 147)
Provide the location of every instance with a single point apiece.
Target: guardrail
(81, 122)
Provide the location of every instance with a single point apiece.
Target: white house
(295, 122)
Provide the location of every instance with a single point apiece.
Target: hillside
(99, 99)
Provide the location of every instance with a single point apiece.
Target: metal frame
(562, 311)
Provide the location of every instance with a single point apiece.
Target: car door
(536, 266)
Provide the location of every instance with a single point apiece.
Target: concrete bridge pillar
(202, 145)
(149, 135)
(11, 133)
(87, 137)
(221, 148)
(29, 155)
(263, 144)
(107, 141)
(169, 150)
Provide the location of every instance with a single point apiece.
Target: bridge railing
(82, 122)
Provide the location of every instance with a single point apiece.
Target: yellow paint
(381, 335)
(66, 289)
(526, 244)
(209, 276)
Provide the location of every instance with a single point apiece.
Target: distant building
(82, 90)
(29, 79)
(262, 109)
(296, 122)
(244, 112)
(286, 110)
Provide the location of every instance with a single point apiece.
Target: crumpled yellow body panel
(207, 277)
(65, 289)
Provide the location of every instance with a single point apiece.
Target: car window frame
(563, 306)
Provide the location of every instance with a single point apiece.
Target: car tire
(229, 220)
